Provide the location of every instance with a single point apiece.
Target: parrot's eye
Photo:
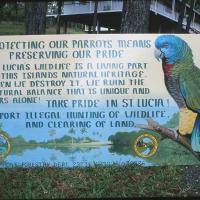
(165, 45)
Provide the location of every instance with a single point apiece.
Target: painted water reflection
(69, 156)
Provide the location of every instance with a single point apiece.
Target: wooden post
(95, 16)
(191, 12)
(58, 25)
(160, 28)
(98, 27)
(89, 29)
(173, 8)
(65, 27)
(181, 10)
(58, 17)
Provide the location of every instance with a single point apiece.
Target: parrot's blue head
(171, 49)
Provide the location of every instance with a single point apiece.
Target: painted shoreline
(90, 144)
(83, 144)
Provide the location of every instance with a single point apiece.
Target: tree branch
(168, 133)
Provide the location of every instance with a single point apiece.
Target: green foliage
(172, 153)
(87, 139)
(18, 28)
(122, 138)
(64, 139)
(52, 7)
(197, 5)
(127, 138)
(18, 141)
(13, 11)
(32, 142)
(4, 133)
(71, 131)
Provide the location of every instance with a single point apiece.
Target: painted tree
(52, 133)
(135, 16)
(72, 132)
(98, 134)
(83, 131)
(94, 134)
(35, 17)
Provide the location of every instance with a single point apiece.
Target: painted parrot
(182, 80)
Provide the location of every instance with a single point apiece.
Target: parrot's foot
(187, 136)
(186, 121)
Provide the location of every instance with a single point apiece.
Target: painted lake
(68, 156)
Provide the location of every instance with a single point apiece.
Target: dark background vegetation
(29, 17)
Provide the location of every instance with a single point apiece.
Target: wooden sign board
(76, 100)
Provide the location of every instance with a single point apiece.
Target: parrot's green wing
(190, 88)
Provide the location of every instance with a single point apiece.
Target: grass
(52, 30)
(128, 180)
(18, 28)
(10, 28)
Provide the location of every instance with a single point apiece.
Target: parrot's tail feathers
(195, 139)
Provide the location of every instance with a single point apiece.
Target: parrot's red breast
(167, 69)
